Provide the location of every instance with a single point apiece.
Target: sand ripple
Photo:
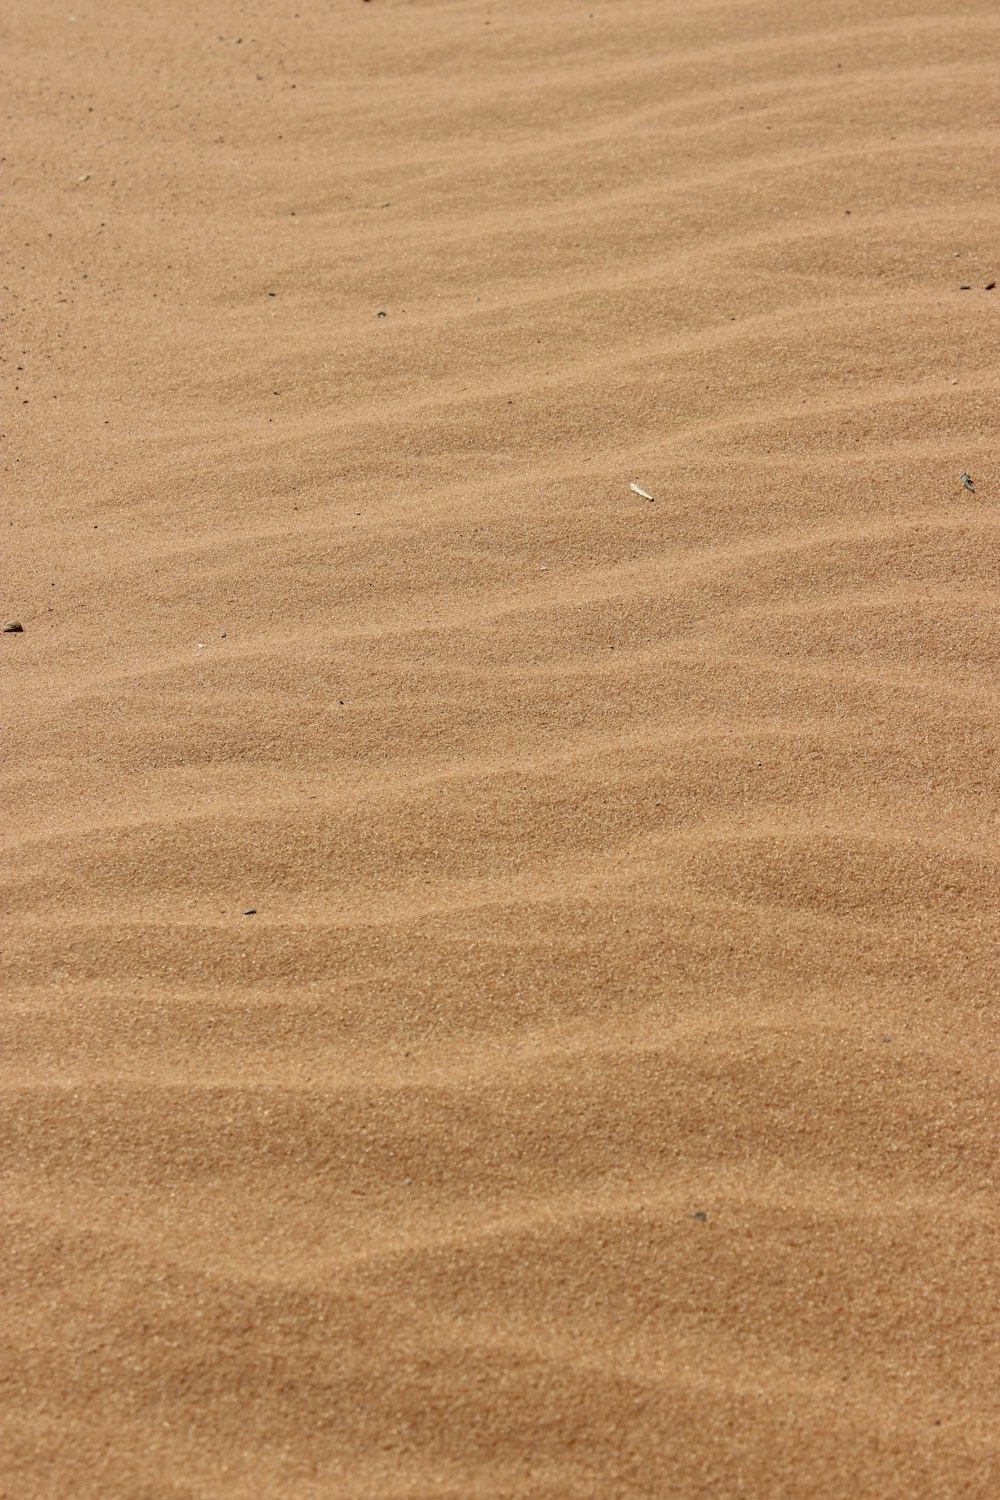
(599, 1099)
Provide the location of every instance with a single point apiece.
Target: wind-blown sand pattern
(599, 1100)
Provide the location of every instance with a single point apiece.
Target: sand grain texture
(600, 1101)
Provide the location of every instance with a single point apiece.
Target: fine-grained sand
(598, 1102)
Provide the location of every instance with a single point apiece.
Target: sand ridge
(600, 1098)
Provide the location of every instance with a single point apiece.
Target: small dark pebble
(990, 285)
(251, 911)
(380, 315)
(13, 627)
(965, 286)
(701, 1216)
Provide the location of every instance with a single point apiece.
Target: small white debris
(637, 491)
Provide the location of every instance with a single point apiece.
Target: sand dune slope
(600, 1098)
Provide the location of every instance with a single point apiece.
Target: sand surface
(599, 1101)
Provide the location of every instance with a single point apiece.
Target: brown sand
(598, 1103)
